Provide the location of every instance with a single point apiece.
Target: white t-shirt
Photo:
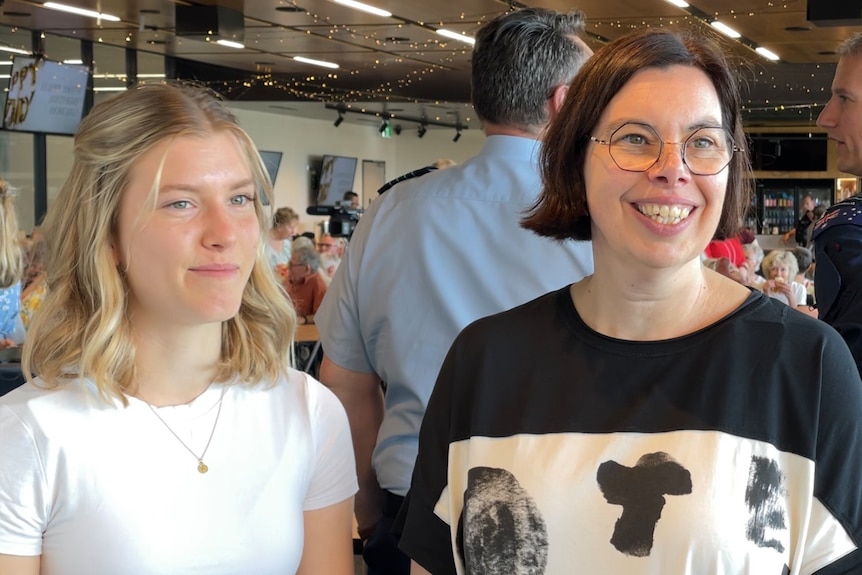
(800, 295)
(99, 488)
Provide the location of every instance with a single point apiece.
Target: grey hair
(307, 256)
(852, 46)
(785, 257)
(518, 60)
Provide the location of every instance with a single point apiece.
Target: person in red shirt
(304, 285)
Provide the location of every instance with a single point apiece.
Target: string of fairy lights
(446, 56)
(427, 54)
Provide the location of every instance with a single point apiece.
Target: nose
(220, 227)
(826, 119)
(670, 166)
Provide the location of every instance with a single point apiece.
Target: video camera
(342, 218)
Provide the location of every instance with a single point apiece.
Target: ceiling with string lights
(399, 65)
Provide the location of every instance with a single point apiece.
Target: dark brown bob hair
(561, 210)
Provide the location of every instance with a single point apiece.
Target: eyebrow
(248, 182)
(843, 92)
(707, 123)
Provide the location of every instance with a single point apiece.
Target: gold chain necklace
(202, 467)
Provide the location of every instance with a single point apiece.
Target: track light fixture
(338, 120)
(388, 120)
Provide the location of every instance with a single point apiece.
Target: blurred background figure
(802, 232)
(304, 285)
(753, 260)
(351, 200)
(11, 271)
(331, 245)
(329, 263)
(444, 163)
(34, 286)
(780, 268)
(285, 225)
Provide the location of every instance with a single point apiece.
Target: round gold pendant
(202, 467)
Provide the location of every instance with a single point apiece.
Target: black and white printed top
(548, 448)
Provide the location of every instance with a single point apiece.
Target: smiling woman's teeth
(664, 214)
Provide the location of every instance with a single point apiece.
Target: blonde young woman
(11, 270)
(166, 432)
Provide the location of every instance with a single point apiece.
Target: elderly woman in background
(780, 268)
(655, 417)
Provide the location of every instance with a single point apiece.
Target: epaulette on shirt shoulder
(847, 212)
(407, 176)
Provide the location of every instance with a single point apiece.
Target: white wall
(299, 139)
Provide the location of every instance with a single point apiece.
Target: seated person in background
(730, 248)
(804, 262)
(35, 286)
(11, 271)
(304, 285)
(780, 267)
(331, 245)
(753, 260)
(285, 224)
(726, 268)
(329, 263)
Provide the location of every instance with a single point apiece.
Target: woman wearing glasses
(655, 417)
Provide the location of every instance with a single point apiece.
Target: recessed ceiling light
(157, 42)
(725, 29)
(396, 39)
(80, 11)
(314, 62)
(364, 7)
(456, 36)
(766, 53)
(230, 44)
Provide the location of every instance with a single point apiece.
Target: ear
(558, 96)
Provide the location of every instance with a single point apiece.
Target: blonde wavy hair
(83, 327)
(11, 254)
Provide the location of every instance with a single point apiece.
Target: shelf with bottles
(778, 212)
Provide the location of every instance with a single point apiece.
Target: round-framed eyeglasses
(636, 147)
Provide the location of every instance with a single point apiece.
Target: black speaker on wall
(209, 21)
(835, 12)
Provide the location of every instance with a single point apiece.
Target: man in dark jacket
(837, 235)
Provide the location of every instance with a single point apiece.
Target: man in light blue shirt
(435, 253)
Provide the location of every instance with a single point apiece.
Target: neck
(532, 132)
(635, 306)
(176, 368)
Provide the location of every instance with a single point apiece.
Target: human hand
(5, 343)
(779, 286)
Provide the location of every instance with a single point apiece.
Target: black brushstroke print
(640, 490)
(764, 497)
(501, 529)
